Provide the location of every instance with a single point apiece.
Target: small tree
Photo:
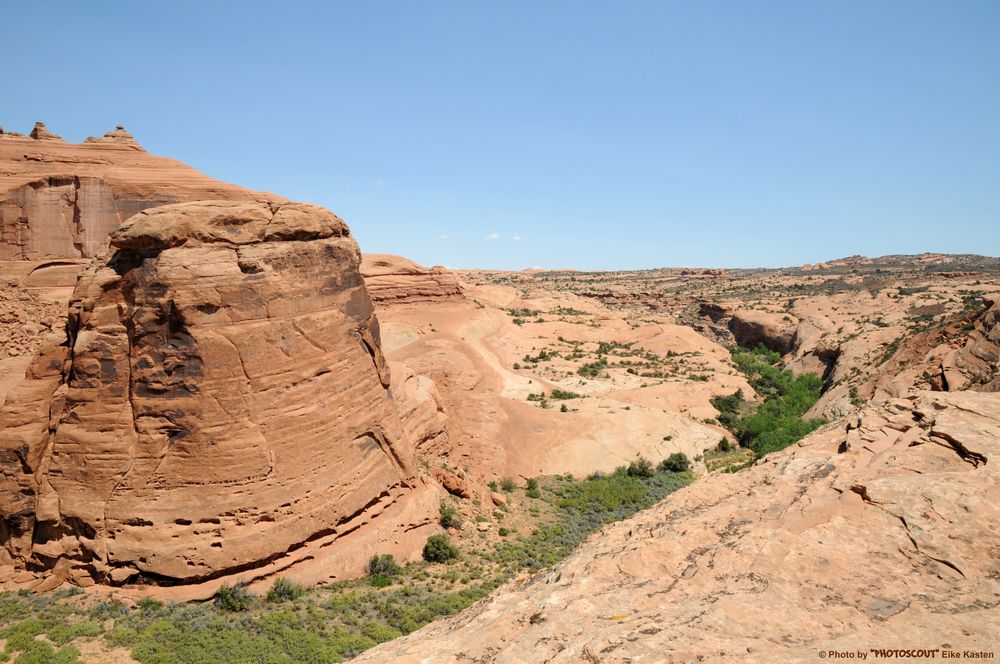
(384, 565)
(439, 549)
(284, 590)
(677, 462)
(233, 598)
(641, 467)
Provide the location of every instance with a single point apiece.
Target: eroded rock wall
(62, 200)
(219, 399)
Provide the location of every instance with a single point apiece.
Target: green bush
(449, 517)
(507, 484)
(234, 598)
(384, 565)
(641, 467)
(284, 590)
(677, 462)
(439, 549)
(593, 369)
(533, 489)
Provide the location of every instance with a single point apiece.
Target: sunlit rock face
(219, 398)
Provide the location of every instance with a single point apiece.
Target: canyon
(202, 385)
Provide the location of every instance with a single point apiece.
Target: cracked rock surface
(885, 525)
(218, 404)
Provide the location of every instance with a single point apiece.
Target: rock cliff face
(60, 200)
(218, 401)
(878, 534)
(394, 279)
(752, 328)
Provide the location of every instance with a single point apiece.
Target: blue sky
(602, 135)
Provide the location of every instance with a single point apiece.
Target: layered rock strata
(62, 200)
(394, 279)
(218, 400)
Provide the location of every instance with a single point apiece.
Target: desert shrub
(724, 445)
(677, 462)
(439, 549)
(507, 484)
(533, 489)
(449, 517)
(384, 565)
(593, 369)
(641, 467)
(149, 604)
(284, 590)
(233, 598)
(565, 394)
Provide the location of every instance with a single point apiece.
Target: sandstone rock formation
(219, 401)
(117, 135)
(962, 355)
(752, 328)
(881, 533)
(40, 133)
(393, 279)
(60, 200)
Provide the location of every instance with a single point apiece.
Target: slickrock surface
(219, 403)
(61, 200)
(962, 355)
(394, 279)
(881, 533)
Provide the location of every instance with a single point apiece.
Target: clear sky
(549, 133)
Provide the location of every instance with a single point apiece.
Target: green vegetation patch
(778, 421)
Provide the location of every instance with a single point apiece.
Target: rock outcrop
(752, 328)
(41, 133)
(394, 279)
(118, 135)
(962, 355)
(878, 534)
(60, 200)
(218, 402)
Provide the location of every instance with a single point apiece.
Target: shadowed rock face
(219, 398)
